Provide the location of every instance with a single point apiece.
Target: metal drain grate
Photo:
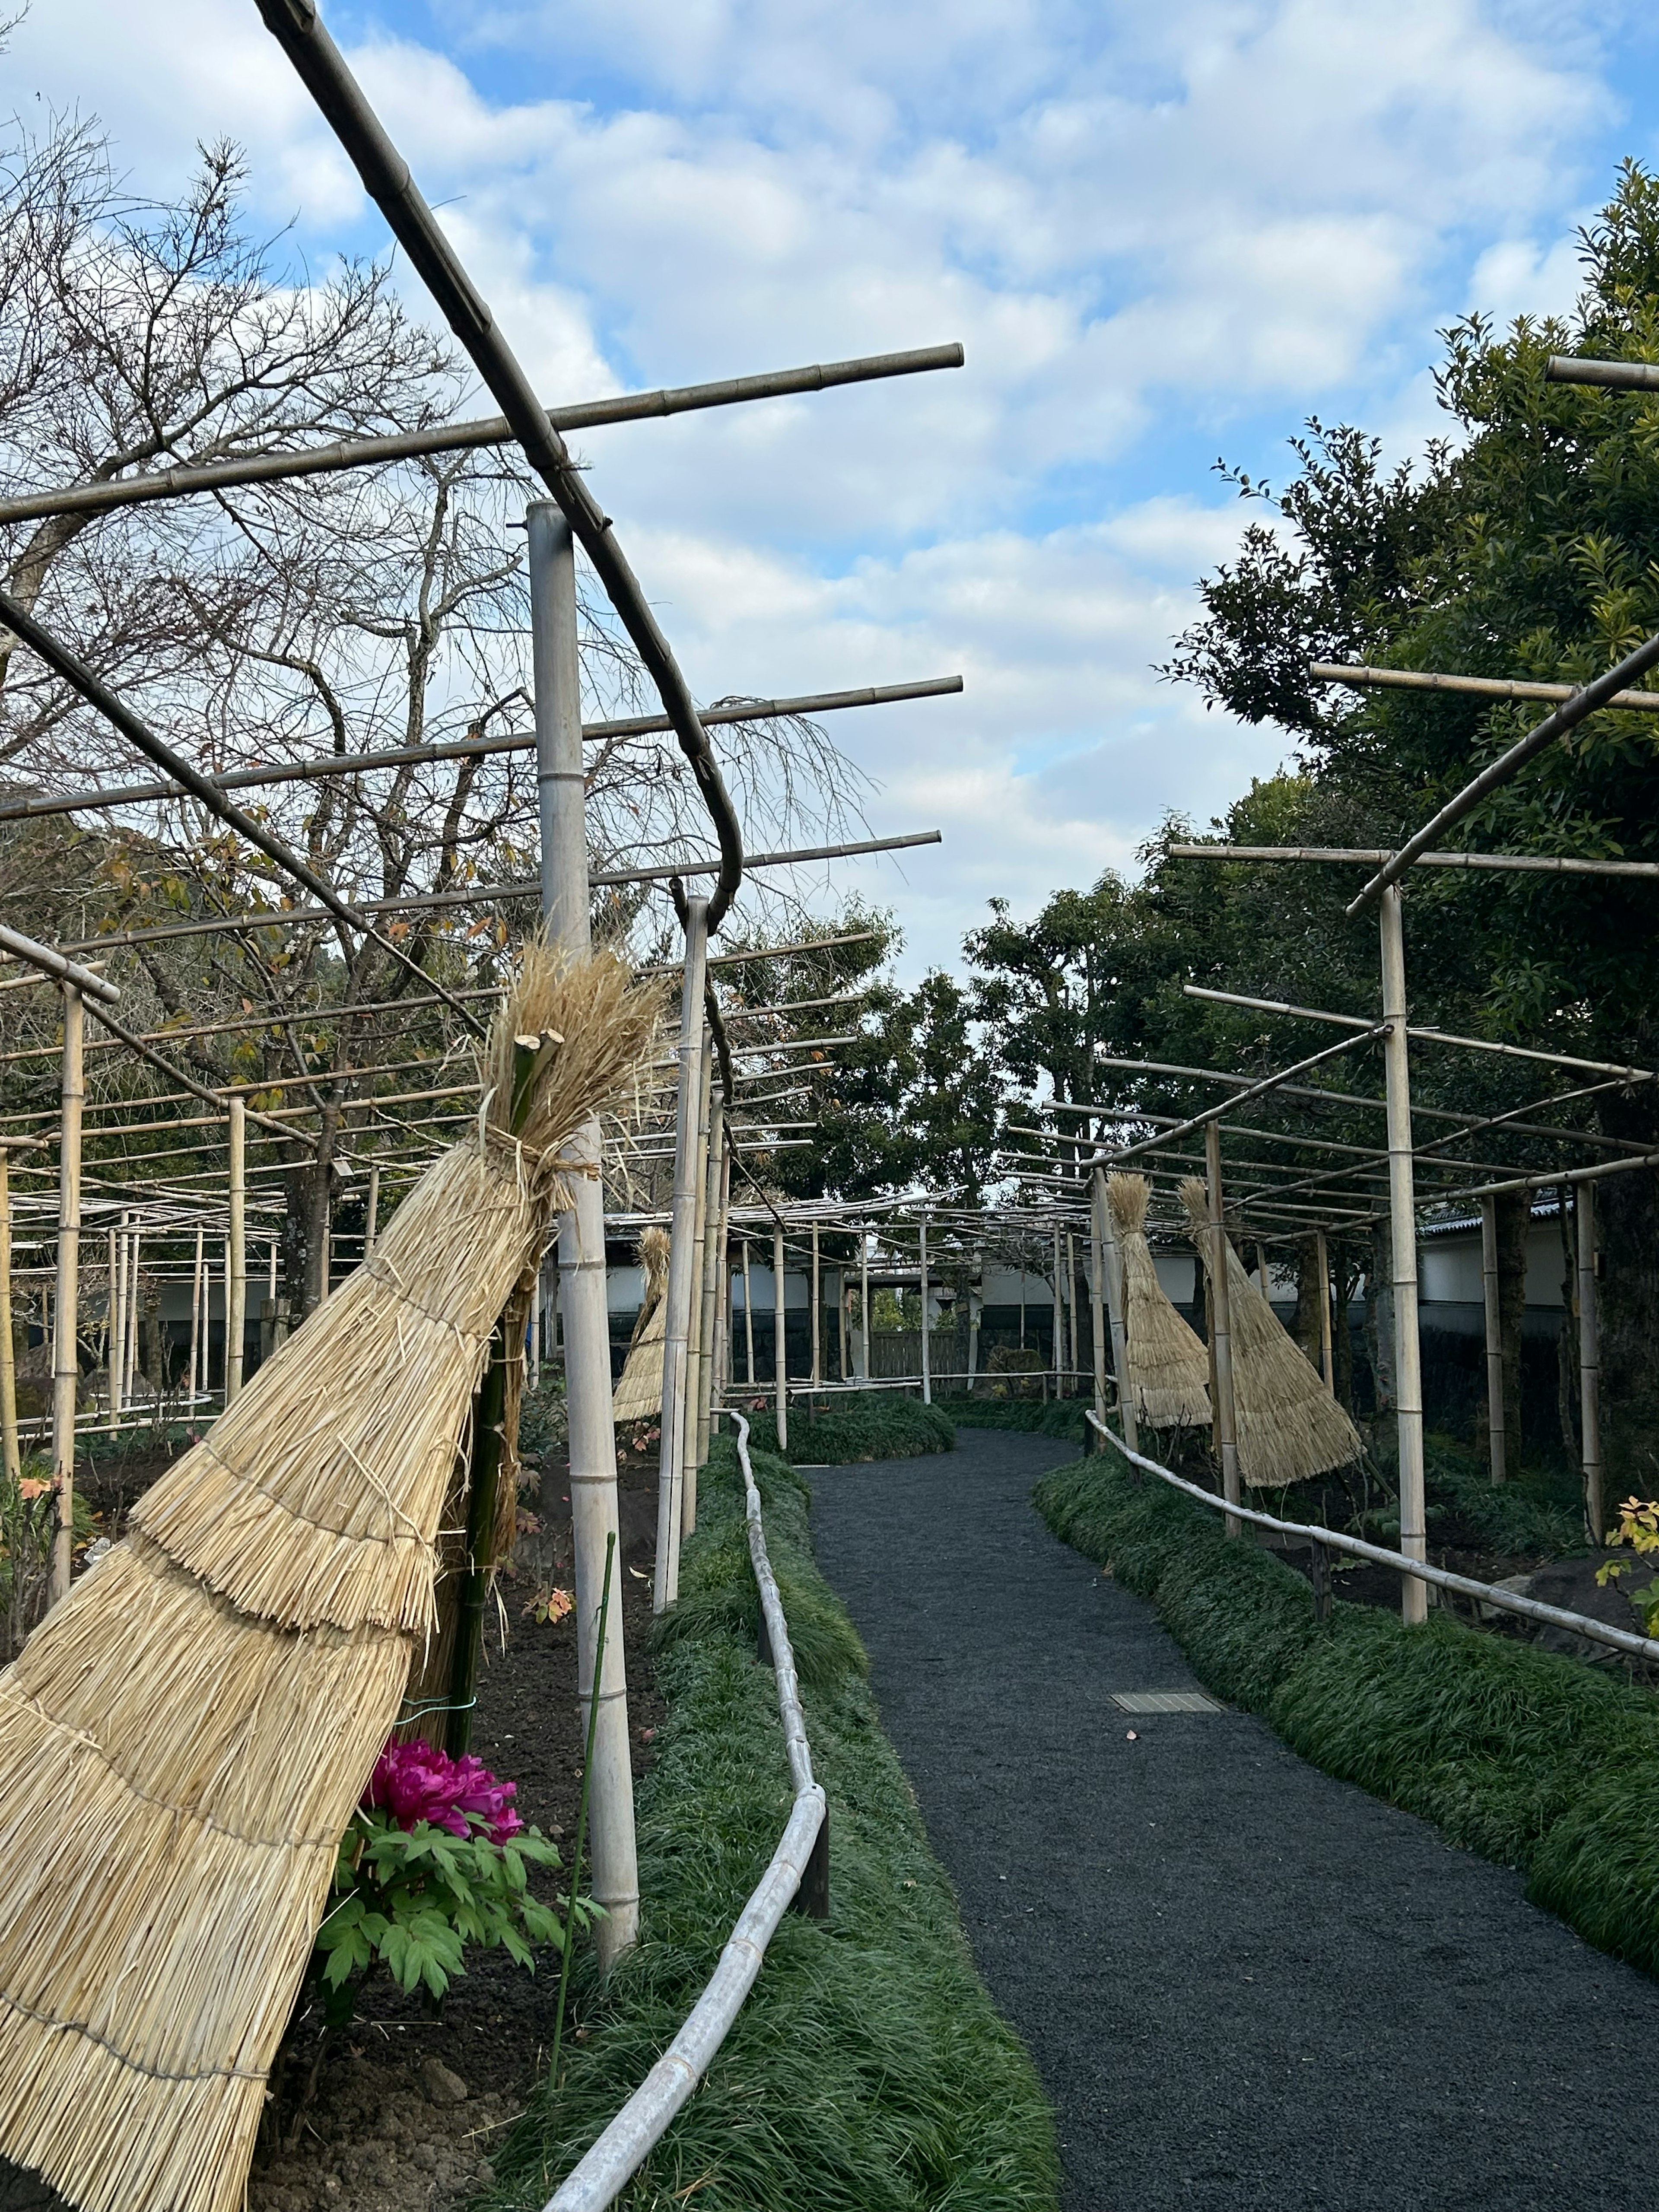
(1165, 1701)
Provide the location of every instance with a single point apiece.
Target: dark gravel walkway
(1244, 1984)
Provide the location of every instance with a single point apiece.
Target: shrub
(859, 1425)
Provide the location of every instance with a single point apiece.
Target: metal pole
(593, 1446)
(236, 1301)
(1589, 1363)
(1326, 1349)
(1221, 1330)
(1403, 1223)
(1497, 1439)
(1097, 1287)
(13, 1458)
(703, 1303)
(66, 1364)
(780, 1339)
(682, 1257)
(927, 1363)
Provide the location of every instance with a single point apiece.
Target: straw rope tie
(133, 2065)
(309, 1521)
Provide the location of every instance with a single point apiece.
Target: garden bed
(854, 1426)
(1521, 1754)
(868, 2069)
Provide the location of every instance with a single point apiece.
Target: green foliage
(1056, 1417)
(1540, 1511)
(1525, 1756)
(858, 1425)
(867, 2071)
(412, 1900)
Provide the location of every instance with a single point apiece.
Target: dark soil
(1247, 1986)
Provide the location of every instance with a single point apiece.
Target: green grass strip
(1526, 1756)
(868, 2071)
(859, 1425)
(1055, 1417)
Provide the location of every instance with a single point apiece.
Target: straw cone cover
(1169, 1367)
(638, 1394)
(1289, 1427)
(184, 1738)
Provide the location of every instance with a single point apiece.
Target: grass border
(868, 2071)
(857, 1425)
(1526, 1757)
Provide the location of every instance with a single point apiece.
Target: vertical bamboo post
(65, 1363)
(129, 1370)
(196, 1361)
(1060, 1324)
(779, 1338)
(748, 1320)
(1403, 1223)
(268, 1318)
(709, 1223)
(1326, 1349)
(818, 1313)
(601, 1680)
(682, 1257)
(1589, 1363)
(1224, 1411)
(1073, 1355)
(115, 1325)
(236, 1286)
(8, 1445)
(1097, 1287)
(864, 1297)
(975, 1263)
(1496, 1442)
(926, 1362)
(696, 1346)
(372, 1210)
(722, 1381)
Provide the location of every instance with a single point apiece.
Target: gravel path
(1244, 1984)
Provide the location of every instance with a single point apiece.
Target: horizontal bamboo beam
(54, 965)
(1256, 1090)
(1372, 856)
(1617, 375)
(91, 799)
(192, 480)
(1477, 687)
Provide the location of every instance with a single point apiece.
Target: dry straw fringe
(1289, 1427)
(639, 1393)
(184, 1738)
(1169, 1367)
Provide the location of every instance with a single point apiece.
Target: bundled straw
(1289, 1427)
(184, 1739)
(1169, 1368)
(639, 1392)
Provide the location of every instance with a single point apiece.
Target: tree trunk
(1627, 1230)
(1306, 1321)
(1514, 1209)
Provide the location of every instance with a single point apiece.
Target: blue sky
(1163, 235)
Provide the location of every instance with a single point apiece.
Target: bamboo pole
(780, 1339)
(372, 1210)
(1071, 1345)
(1058, 1327)
(116, 1350)
(723, 1308)
(197, 1331)
(236, 1288)
(1516, 863)
(702, 1301)
(842, 1294)
(1590, 1365)
(681, 1258)
(1097, 1289)
(818, 1313)
(864, 1297)
(748, 1320)
(1479, 687)
(1223, 1411)
(1113, 1259)
(129, 1358)
(594, 1523)
(1402, 1222)
(13, 1458)
(1326, 1349)
(1496, 1444)
(926, 1334)
(66, 1365)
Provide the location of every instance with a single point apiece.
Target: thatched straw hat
(1169, 1368)
(638, 1394)
(1289, 1427)
(184, 1738)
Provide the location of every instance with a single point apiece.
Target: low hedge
(1525, 1756)
(868, 2071)
(859, 1424)
(1058, 1417)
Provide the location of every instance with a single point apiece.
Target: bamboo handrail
(1506, 1601)
(1372, 856)
(605, 2169)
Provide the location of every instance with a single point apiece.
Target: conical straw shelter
(638, 1394)
(1289, 1427)
(184, 1738)
(1169, 1367)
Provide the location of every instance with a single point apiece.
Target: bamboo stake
(197, 1362)
(681, 1259)
(601, 1676)
(1058, 1327)
(1326, 1349)
(818, 1313)
(1496, 1446)
(372, 1210)
(748, 1320)
(1071, 1305)
(709, 1325)
(115, 1337)
(1590, 1363)
(842, 1295)
(1402, 1222)
(236, 1288)
(129, 1357)
(723, 1308)
(1113, 1259)
(864, 1297)
(780, 1339)
(1221, 1333)
(13, 1458)
(702, 1301)
(66, 1366)
(1097, 1288)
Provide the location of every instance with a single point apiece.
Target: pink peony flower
(413, 1782)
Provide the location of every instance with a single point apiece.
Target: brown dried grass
(184, 1739)
(638, 1394)
(1169, 1367)
(1289, 1427)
